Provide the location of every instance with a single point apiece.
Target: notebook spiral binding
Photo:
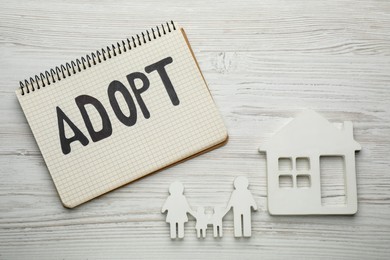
(73, 67)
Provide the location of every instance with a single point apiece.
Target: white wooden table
(264, 62)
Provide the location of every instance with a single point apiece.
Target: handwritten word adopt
(113, 88)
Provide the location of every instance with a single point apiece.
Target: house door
(333, 182)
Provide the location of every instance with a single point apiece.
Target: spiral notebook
(120, 113)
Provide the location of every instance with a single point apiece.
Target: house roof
(309, 131)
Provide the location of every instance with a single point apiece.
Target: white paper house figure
(294, 154)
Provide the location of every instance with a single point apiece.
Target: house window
(303, 181)
(285, 164)
(294, 172)
(285, 181)
(285, 172)
(303, 164)
(303, 172)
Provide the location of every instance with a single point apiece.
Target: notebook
(120, 113)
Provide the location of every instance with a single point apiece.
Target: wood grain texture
(264, 62)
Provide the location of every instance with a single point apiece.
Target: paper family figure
(217, 221)
(241, 201)
(296, 173)
(203, 220)
(177, 207)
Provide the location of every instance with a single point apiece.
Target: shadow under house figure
(177, 207)
(242, 202)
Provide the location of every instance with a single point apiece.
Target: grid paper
(172, 133)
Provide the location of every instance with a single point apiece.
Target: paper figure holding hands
(217, 221)
(177, 207)
(202, 220)
(241, 201)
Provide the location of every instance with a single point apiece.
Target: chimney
(348, 128)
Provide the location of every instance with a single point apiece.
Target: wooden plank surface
(264, 62)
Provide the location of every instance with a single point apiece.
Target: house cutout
(295, 176)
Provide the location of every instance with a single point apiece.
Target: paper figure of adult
(242, 202)
(177, 207)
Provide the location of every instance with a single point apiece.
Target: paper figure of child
(202, 221)
(241, 201)
(177, 207)
(217, 221)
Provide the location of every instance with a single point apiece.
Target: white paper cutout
(217, 221)
(309, 137)
(241, 201)
(202, 220)
(177, 207)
